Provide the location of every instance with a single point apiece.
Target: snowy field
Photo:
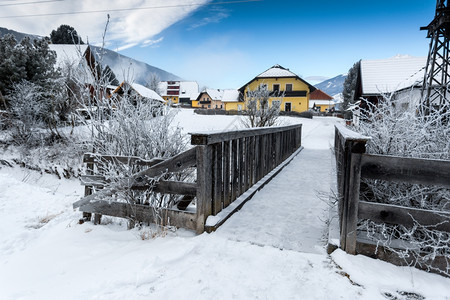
(272, 249)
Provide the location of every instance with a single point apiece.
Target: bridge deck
(291, 211)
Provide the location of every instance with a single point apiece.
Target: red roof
(319, 95)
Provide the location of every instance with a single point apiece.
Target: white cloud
(127, 28)
(217, 15)
(152, 43)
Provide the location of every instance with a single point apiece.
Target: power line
(127, 9)
(34, 2)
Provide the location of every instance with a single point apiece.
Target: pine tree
(65, 34)
(350, 85)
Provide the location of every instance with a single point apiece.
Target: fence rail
(352, 164)
(228, 164)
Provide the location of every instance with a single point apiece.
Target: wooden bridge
(230, 167)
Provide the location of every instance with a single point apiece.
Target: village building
(231, 100)
(179, 92)
(137, 91)
(210, 99)
(397, 78)
(320, 101)
(280, 81)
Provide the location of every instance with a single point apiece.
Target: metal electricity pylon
(436, 84)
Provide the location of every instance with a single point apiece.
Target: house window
(276, 87)
(263, 86)
(288, 87)
(209, 105)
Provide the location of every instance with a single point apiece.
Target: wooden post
(352, 203)
(349, 146)
(226, 172)
(204, 185)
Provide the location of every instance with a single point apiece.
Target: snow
(276, 71)
(230, 96)
(188, 88)
(272, 249)
(146, 92)
(392, 74)
(68, 53)
(215, 94)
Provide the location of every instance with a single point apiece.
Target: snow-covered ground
(271, 249)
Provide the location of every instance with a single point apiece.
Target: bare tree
(261, 112)
(153, 83)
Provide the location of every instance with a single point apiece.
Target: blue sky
(311, 38)
(226, 45)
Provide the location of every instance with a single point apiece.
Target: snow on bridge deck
(290, 212)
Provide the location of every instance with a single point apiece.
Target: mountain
(17, 35)
(130, 69)
(123, 66)
(332, 86)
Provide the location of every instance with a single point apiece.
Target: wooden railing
(228, 164)
(353, 163)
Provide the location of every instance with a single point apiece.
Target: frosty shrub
(258, 109)
(400, 130)
(27, 112)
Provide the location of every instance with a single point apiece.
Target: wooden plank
(394, 214)
(208, 138)
(176, 187)
(162, 186)
(438, 263)
(352, 207)
(217, 179)
(142, 213)
(251, 157)
(174, 164)
(234, 169)
(241, 189)
(246, 163)
(226, 172)
(410, 170)
(204, 185)
(130, 160)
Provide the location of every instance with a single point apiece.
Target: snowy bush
(400, 130)
(258, 109)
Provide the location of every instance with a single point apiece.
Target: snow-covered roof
(71, 54)
(146, 92)
(230, 96)
(194, 96)
(392, 74)
(187, 88)
(215, 94)
(276, 71)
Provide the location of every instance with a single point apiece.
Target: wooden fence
(230, 165)
(353, 163)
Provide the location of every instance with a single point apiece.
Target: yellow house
(279, 80)
(231, 100)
